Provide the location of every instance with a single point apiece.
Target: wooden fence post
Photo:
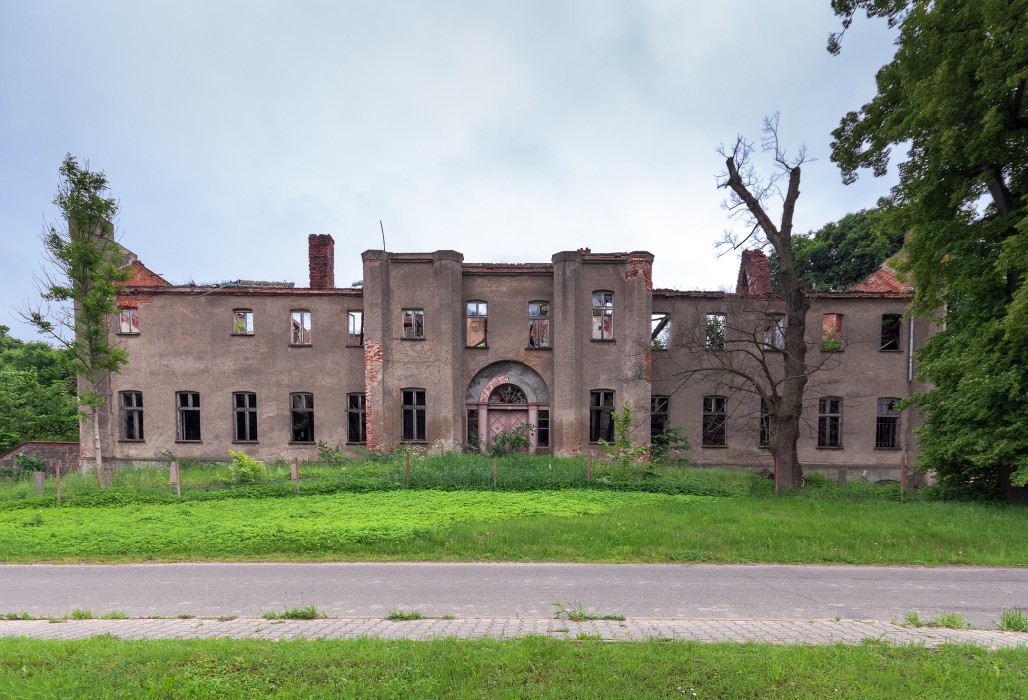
(58, 474)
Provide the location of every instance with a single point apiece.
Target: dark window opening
(188, 416)
(542, 428)
(715, 421)
(473, 441)
(659, 409)
(413, 428)
(829, 422)
(887, 424)
(246, 416)
(601, 415)
(301, 417)
(132, 415)
(764, 437)
(356, 418)
(890, 332)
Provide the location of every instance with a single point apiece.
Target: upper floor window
(245, 407)
(301, 417)
(890, 332)
(188, 403)
(477, 324)
(300, 328)
(601, 415)
(829, 422)
(716, 326)
(887, 424)
(764, 421)
(659, 408)
(413, 324)
(774, 332)
(715, 421)
(660, 331)
(128, 320)
(131, 415)
(603, 315)
(242, 322)
(539, 324)
(831, 332)
(413, 422)
(355, 328)
(356, 413)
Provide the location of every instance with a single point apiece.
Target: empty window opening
(774, 333)
(132, 415)
(300, 333)
(603, 315)
(542, 428)
(473, 442)
(355, 328)
(831, 332)
(477, 323)
(356, 418)
(659, 408)
(716, 325)
(539, 324)
(829, 422)
(887, 424)
(413, 416)
(301, 417)
(601, 418)
(660, 331)
(890, 332)
(764, 428)
(413, 324)
(128, 321)
(242, 322)
(245, 403)
(188, 416)
(715, 421)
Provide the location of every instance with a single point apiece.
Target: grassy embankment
(530, 667)
(361, 512)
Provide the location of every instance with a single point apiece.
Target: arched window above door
(508, 394)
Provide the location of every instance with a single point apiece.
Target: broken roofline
(214, 289)
(699, 294)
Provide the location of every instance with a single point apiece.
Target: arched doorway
(502, 397)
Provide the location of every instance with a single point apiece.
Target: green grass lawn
(530, 667)
(566, 525)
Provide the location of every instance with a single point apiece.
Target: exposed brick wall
(754, 273)
(372, 375)
(321, 257)
(641, 264)
(881, 280)
(52, 453)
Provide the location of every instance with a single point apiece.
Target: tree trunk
(795, 361)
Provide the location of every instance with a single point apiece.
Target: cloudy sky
(231, 129)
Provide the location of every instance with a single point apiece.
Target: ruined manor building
(437, 352)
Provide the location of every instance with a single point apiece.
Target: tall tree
(79, 292)
(954, 94)
(749, 200)
(843, 252)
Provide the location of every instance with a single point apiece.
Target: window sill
(245, 442)
(538, 347)
(132, 442)
(889, 449)
(603, 340)
(127, 332)
(301, 345)
(189, 442)
(413, 442)
(363, 442)
(831, 351)
(897, 351)
(305, 442)
(476, 347)
(405, 338)
(714, 447)
(241, 335)
(829, 447)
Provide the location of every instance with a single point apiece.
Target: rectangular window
(829, 422)
(890, 332)
(601, 418)
(603, 315)
(473, 441)
(128, 321)
(539, 324)
(301, 417)
(715, 419)
(355, 328)
(188, 416)
(716, 325)
(356, 418)
(660, 331)
(300, 333)
(887, 425)
(774, 333)
(245, 404)
(764, 436)
(542, 428)
(831, 332)
(659, 409)
(242, 322)
(132, 416)
(413, 416)
(413, 324)
(477, 323)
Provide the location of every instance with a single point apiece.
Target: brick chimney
(321, 254)
(754, 273)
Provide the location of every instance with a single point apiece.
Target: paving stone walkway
(774, 631)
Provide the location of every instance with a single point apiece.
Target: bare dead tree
(779, 381)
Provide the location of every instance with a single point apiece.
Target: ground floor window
(659, 407)
(413, 416)
(715, 419)
(829, 422)
(188, 416)
(601, 415)
(356, 414)
(246, 416)
(887, 424)
(132, 415)
(301, 415)
(542, 428)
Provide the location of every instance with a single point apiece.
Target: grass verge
(529, 667)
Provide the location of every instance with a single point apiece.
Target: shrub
(508, 441)
(664, 444)
(29, 463)
(332, 456)
(621, 451)
(245, 469)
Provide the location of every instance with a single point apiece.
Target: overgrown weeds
(308, 613)
(402, 615)
(578, 613)
(1013, 620)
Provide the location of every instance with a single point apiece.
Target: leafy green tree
(954, 95)
(79, 295)
(842, 253)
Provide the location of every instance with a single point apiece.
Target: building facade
(437, 352)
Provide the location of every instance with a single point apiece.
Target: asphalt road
(769, 592)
